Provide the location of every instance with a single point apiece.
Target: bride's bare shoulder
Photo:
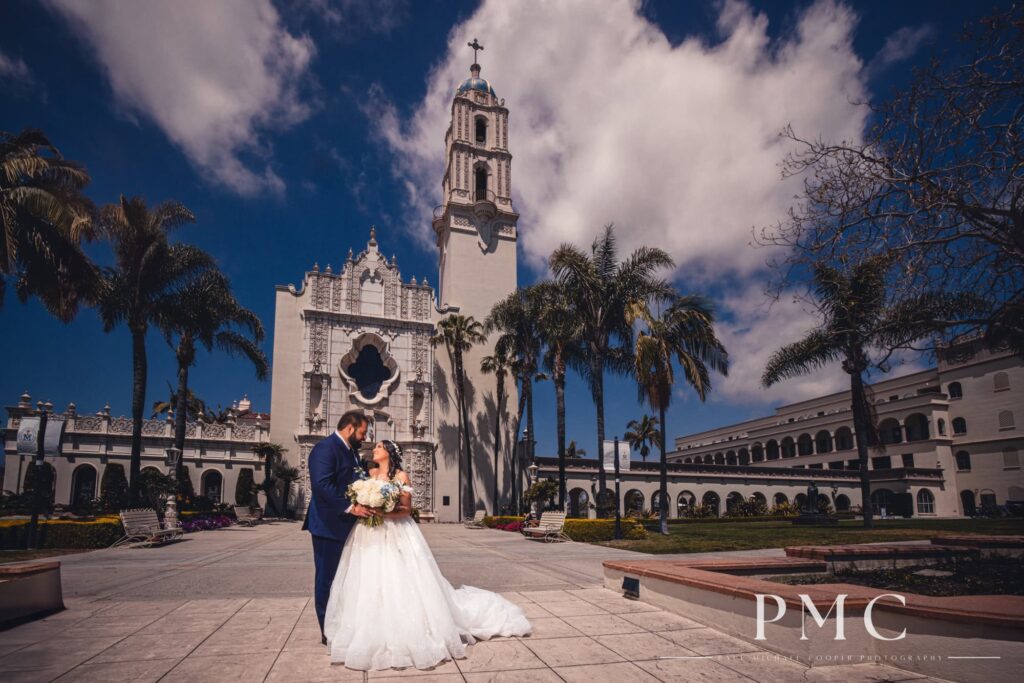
(402, 476)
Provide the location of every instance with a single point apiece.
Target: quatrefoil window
(369, 369)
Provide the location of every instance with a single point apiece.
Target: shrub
(700, 511)
(785, 510)
(59, 533)
(512, 526)
(114, 488)
(245, 487)
(493, 522)
(204, 523)
(590, 530)
(751, 507)
(157, 487)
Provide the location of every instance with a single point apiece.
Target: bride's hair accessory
(395, 456)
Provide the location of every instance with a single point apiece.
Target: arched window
(925, 502)
(757, 452)
(480, 176)
(711, 500)
(730, 458)
(779, 499)
(759, 497)
(788, 448)
(579, 503)
(606, 504)
(719, 458)
(1005, 419)
(687, 460)
(1000, 381)
(954, 390)
(709, 459)
(83, 485)
(213, 485)
(916, 427)
(842, 502)
(481, 130)
(942, 427)
(733, 502)
(772, 450)
(744, 457)
(844, 439)
(890, 431)
(800, 501)
(805, 445)
(963, 461)
(823, 442)
(959, 425)
(1011, 458)
(684, 503)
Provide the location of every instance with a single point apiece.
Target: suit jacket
(332, 467)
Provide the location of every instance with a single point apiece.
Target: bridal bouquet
(380, 495)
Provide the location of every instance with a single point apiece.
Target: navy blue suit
(332, 467)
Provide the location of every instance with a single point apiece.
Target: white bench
(548, 529)
(478, 520)
(142, 529)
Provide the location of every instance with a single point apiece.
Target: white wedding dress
(390, 606)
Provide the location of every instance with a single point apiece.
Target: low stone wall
(29, 591)
(970, 638)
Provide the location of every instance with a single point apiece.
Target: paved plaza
(234, 605)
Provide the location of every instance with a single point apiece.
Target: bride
(390, 606)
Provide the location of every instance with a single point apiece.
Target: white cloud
(678, 146)
(211, 75)
(899, 46)
(14, 69)
(752, 330)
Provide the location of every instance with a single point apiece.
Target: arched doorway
(83, 485)
(842, 503)
(656, 505)
(967, 503)
(579, 504)
(213, 485)
(713, 501)
(634, 503)
(606, 504)
(733, 501)
(684, 503)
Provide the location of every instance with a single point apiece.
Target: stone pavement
(233, 605)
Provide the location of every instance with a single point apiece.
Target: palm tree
(560, 331)
(43, 218)
(497, 364)
(642, 434)
(856, 315)
(205, 312)
(139, 289)
(458, 334)
(271, 454)
(602, 289)
(516, 319)
(572, 451)
(683, 333)
(194, 406)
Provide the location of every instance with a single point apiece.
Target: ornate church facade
(360, 338)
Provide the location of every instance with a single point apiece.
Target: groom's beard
(355, 444)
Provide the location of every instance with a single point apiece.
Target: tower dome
(474, 82)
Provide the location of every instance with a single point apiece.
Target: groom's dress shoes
(323, 640)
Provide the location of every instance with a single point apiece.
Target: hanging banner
(609, 456)
(28, 436)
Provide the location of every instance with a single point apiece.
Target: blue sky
(290, 128)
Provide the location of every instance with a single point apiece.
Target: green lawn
(697, 537)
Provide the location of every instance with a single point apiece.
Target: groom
(333, 465)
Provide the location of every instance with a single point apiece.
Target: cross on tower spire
(476, 46)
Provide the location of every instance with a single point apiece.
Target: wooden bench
(247, 515)
(550, 528)
(142, 529)
(478, 520)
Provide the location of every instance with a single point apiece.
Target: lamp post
(593, 492)
(618, 512)
(171, 511)
(37, 495)
(531, 473)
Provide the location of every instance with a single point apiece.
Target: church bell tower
(476, 224)
(475, 228)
